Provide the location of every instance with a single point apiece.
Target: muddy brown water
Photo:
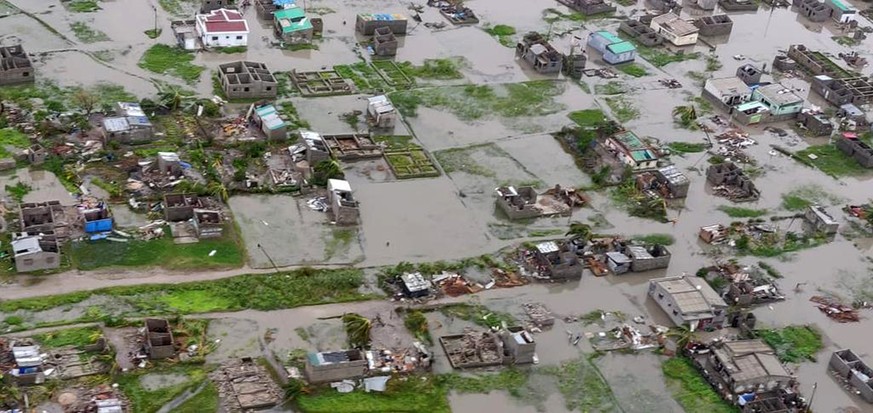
(428, 219)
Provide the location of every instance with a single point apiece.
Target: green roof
(609, 36)
(621, 47)
(292, 20)
(840, 5)
(630, 140)
(643, 155)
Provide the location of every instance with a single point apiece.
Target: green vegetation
(86, 34)
(651, 239)
(712, 63)
(504, 34)
(295, 47)
(204, 401)
(478, 314)
(633, 69)
(363, 75)
(416, 322)
(697, 77)
(403, 395)
(473, 102)
(172, 61)
(438, 69)
(176, 7)
(162, 252)
(552, 15)
(582, 386)
(264, 292)
(18, 191)
(610, 88)
(462, 160)
(687, 147)
(692, 392)
(626, 195)
(659, 56)
(587, 117)
(357, 330)
(512, 380)
(231, 49)
(82, 6)
(153, 33)
(146, 400)
(801, 197)
(76, 337)
(622, 108)
(740, 212)
(793, 344)
(831, 161)
(685, 116)
(773, 272)
(340, 240)
(774, 244)
(14, 138)
(845, 41)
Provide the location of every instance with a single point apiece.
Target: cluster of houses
(817, 11)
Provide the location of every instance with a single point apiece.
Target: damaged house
(726, 93)
(519, 346)
(35, 251)
(159, 342)
(366, 24)
(245, 385)
(749, 74)
(819, 221)
(381, 112)
(509, 346)
(636, 258)
(747, 289)
(730, 181)
(632, 151)
(737, 368)
(292, 26)
(854, 147)
(335, 366)
(675, 30)
(28, 359)
(613, 49)
(524, 202)
(384, 42)
(96, 216)
(842, 91)
(247, 80)
(536, 51)
(854, 371)
(343, 205)
(715, 25)
(640, 32)
(15, 66)
(267, 119)
(180, 207)
(667, 182)
(130, 125)
(814, 10)
(556, 261)
(45, 217)
(589, 7)
(815, 122)
(689, 300)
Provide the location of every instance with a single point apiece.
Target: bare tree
(85, 100)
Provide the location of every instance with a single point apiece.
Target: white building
(689, 301)
(675, 30)
(222, 28)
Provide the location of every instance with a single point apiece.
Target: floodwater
(44, 186)
(453, 216)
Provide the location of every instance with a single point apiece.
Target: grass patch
(461, 159)
(14, 138)
(231, 49)
(845, 41)
(627, 196)
(802, 197)
(172, 61)
(403, 395)
(204, 401)
(145, 400)
(291, 289)
(622, 108)
(153, 33)
(692, 392)
(177, 7)
(479, 315)
(712, 63)
(89, 255)
(18, 191)
(686, 147)
(504, 34)
(363, 76)
(773, 272)
(438, 69)
(582, 386)
(552, 15)
(82, 6)
(473, 102)
(832, 161)
(76, 337)
(610, 88)
(416, 322)
(587, 117)
(340, 240)
(633, 69)
(793, 344)
(86, 34)
(660, 239)
(740, 212)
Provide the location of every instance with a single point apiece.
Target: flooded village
(442, 205)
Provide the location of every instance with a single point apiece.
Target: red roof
(224, 21)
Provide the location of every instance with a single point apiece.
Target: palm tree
(174, 97)
(579, 231)
(687, 116)
(682, 335)
(357, 329)
(218, 190)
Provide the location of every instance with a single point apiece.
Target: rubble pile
(836, 310)
(473, 349)
(539, 314)
(245, 385)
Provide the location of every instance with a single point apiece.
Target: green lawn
(832, 161)
(686, 147)
(473, 102)
(793, 344)
(740, 212)
(143, 400)
(692, 392)
(413, 395)
(587, 117)
(204, 401)
(229, 253)
(77, 337)
(14, 138)
(172, 61)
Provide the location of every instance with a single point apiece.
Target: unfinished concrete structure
(36, 154)
(727, 92)
(316, 149)
(814, 10)
(689, 301)
(820, 221)
(518, 203)
(640, 32)
(35, 251)
(537, 52)
(784, 63)
(857, 149)
(15, 66)
(180, 207)
(169, 163)
(366, 24)
(247, 80)
(816, 63)
(381, 113)
(185, 32)
(851, 369)
(715, 25)
(665, 6)
(159, 342)
(343, 205)
(749, 74)
(557, 261)
(43, 217)
(384, 42)
(245, 385)
(352, 146)
(745, 366)
(737, 185)
(473, 349)
(648, 258)
(265, 8)
(856, 90)
(519, 345)
(335, 366)
(207, 223)
(814, 122)
(320, 83)
(738, 5)
(589, 7)
(667, 182)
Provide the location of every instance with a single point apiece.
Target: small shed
(617, 262)
(268, 120)
(614, 49)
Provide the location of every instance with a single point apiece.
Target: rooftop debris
(836, 310)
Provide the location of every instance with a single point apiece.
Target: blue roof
(284, 2)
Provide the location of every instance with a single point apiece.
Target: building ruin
(343, 205)
(247, 80)
(332, 366)
(856, 149)
(524, 202)
(852, 370)
(15, 66)
(589, 7)
(730, 181)
(667, 182)
(715, 25)
(539, 53)
(159, 342)
(640, 32)
(320, 83)
(35, 251)
(384, 42)
(245, 385)
(352, 146)
(366, 24)
(814, 10)
(556, 261)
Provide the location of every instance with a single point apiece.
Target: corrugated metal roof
(116, 124)
(609, 36)
(621, 47)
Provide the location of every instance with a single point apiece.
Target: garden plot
(283, 229)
